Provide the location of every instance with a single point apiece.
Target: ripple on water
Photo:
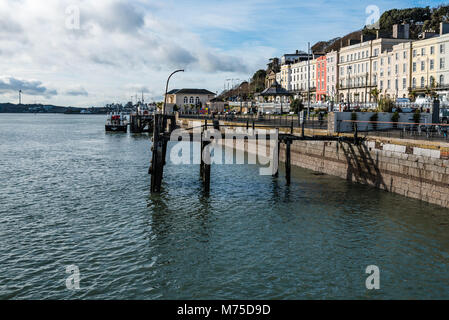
(71, 194)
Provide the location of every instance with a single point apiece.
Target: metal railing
(285, 121)
(402, 130)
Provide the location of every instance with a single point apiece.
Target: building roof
(275, 90)
(190, 91)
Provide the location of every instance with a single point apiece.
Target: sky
(89, 53)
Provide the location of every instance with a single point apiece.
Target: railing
(401, 130)
(285, 121)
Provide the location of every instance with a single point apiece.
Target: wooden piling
(288, 162)
(276, 158)
(206, 170)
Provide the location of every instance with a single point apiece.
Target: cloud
(77, 92)
(34, 88)
(115, 16)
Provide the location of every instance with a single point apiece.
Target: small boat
(116, 122)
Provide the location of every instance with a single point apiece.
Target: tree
(386, 105)
(375, 94)
(296, 106)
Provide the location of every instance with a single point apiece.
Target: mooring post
(206, 167)
(201, 156)
(276, 158)
(288, 162)
(291, 127)
(254, 125)
(157, 164)
(247, 125)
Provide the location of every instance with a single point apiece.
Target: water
(71, 194)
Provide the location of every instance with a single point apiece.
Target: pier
(163, 126)
(140, 122)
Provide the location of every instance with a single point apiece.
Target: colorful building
(321, 74)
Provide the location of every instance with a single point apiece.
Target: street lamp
(349, 87)
(166, 89)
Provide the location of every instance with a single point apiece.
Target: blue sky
(121, 48)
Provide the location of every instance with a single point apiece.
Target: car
(444, 115)
(422, 101)
(403, 110)
(402, 100)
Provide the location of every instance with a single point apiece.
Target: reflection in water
(84, 199)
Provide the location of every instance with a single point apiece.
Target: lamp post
(349, 87)
(166, 89)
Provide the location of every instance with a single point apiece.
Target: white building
(185, 99)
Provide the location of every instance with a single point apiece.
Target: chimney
(377, 34)
(401, 31)
(444, 28)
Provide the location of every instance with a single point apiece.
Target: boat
(116, 122)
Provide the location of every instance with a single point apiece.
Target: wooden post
(201, 157)
(276, 157)
(288, 162)
(157, 163)
(206, 168)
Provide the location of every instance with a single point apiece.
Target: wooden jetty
(139, 123)
(163, 126)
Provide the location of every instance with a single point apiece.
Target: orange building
(321, 74)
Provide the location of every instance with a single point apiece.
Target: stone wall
(413, 172)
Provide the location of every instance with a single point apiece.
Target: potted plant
(353, 118)
(417, 116)
(395, 119)
(374, 118)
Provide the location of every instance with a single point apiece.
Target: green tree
(296, 106)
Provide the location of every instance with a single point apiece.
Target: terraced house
(396, 66)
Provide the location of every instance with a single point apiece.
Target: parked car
(444, 115)
(422, 101)
(402, 100)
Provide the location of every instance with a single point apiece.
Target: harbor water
(73, 195)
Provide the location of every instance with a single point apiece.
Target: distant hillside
(27, 108)
(420, 19)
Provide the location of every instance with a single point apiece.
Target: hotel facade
(395, 67)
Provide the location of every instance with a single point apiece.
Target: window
(431, 66)
(441, 63)
(414, 66)
(376, 52)
(397, 56)
(414, 83)
(432, 50)
(423, 65)
(389, 60)
(381, 61)
(396, 84)
(405, 55)
(381, 84)
(396, 69)
(375, 66)
(404, 68)
(186, 100)
(441, 48)
(423, 51)
(431, 80)
(441, 80)
(388, 84)
(192, 100)
(414, 53)
(422, 82)
(404, 83)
